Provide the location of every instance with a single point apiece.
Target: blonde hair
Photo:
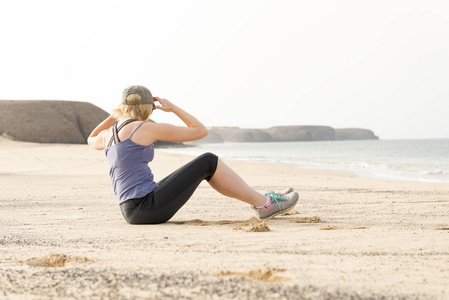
(135, 111)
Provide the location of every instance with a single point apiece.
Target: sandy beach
(63, 236)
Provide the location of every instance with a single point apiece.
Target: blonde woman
(127, 136)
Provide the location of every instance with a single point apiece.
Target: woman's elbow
(199, 134)
(204, 132)
(92, 143)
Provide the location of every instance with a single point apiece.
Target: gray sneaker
(287, 191)
(279, 204)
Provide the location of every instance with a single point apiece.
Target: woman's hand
(195, 130)
(165, 105)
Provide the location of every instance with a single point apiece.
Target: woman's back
(129, 171)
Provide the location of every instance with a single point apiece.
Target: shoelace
(274, 196)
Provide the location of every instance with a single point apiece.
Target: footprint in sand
(54, 260)
(267, 275)
(255, 225)
(313, 219)
(340, 228)
(261, 227)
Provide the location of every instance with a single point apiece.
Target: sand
(62, 235)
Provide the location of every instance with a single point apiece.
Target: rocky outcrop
(354, 134)
(285, 134)
(45, 121)
(49, 121)
(234, 135)
(239, 135)
(301, 133)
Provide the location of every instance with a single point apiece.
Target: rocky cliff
(239, 135)
(354, 134)
(49, 121)
(285, 134)
(301, 133)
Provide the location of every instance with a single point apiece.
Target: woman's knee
(209, 155)
(212, 161)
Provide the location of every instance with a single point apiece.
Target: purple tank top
(129, 171)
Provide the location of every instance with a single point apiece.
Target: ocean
(415, 160)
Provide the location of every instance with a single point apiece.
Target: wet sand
(62, 235)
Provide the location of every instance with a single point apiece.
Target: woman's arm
(95, 139)
(195, 130)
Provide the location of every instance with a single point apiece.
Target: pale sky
(381, 65)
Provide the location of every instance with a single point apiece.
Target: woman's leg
(230, 184)
(227, 182)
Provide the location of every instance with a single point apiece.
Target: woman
(127, 136)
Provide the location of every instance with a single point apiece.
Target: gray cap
(143, 92)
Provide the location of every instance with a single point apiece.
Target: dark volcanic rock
(354, 134)
(301, 133)
(49, 121)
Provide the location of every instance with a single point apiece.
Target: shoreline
(370, 238)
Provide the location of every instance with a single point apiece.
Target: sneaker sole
(280, 212)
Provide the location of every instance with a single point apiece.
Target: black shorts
(171, 194)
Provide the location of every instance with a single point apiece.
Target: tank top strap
(115, 130)
(137, 128)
